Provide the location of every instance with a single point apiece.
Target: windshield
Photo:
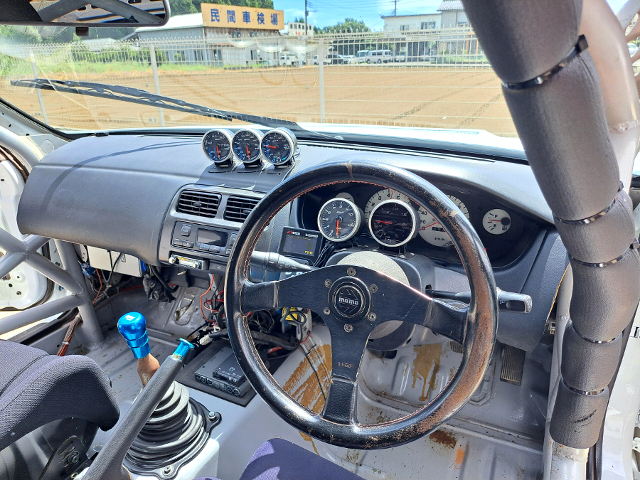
(413, 67)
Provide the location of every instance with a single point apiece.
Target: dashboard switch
(185, 230)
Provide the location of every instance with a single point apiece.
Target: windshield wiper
(142, 97)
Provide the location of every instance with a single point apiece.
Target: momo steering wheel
(353, 301)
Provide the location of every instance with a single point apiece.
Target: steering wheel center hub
(349, 298)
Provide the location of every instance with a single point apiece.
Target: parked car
(400, 57)
(288, 60)
(326, 61)
(347, 58)
(335, 59)
(380, 56)
(361, 56)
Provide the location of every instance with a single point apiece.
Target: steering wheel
(371, 299)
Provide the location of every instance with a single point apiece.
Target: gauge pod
(279, 146)
(216, 145)
(246, 146)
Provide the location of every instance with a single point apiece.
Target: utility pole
(395, 7)
(306, 14)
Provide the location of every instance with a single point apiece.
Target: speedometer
(432, 231)
(339, 219)
(392, 223)
(382, 196)
(246, 146)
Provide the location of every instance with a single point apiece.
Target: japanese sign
(231, 16)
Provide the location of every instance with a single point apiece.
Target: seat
(279, 459)
(37, 389)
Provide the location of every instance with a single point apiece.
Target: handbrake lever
(507, 301)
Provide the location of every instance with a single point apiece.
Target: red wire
(308, 335)
(100, 289)
(274, 349)
(208, 290)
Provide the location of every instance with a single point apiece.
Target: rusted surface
(445, 439)
(457, 464)
(425, 368)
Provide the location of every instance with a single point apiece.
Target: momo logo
(348, 300)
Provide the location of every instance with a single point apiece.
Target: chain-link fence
(431, 78)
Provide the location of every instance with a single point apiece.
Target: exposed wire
(113, 265)
(207, 291)
(100, 289)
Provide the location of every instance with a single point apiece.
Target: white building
(412, 23)
(297, 28)
(453, 15)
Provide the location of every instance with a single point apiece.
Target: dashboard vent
(195, 202)
(239, 208)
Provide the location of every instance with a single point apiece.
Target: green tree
(349, 25)
(182, 7)
(20, 34)
(299, 20)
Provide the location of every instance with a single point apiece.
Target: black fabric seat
(37, 388)
(279, 459)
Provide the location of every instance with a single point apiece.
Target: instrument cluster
(394, 221)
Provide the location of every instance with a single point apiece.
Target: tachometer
(392, 223)
(246, 146)
(496, 221)
(432, 231)
(278, 146)
(339, 220)
(216, 145)
(382, 196)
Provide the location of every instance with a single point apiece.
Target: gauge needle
(247, 147)
(495, 220)
(337, 226)
(269, 146)
(386, 223)
(430, 225)
(218, 151)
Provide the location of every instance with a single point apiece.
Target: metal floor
(496, 437)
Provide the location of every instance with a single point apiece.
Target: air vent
(239, 208)
(195, 202)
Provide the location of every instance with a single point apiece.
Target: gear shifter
(164, 429)
(133, 327)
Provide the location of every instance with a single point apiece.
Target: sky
(324, 13)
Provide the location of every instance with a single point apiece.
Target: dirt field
(401, 95)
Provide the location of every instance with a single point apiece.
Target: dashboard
(178, 200)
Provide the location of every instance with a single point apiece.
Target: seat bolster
(54, 388)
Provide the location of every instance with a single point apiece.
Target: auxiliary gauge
(246, 146)
(216, 144)
(339, 219)
(392, 223)
(278, 146)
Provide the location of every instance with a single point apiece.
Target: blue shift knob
(133, 327)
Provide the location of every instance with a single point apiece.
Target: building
(453, 14)
(412, 23)
(213, 36)
(297, 28)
